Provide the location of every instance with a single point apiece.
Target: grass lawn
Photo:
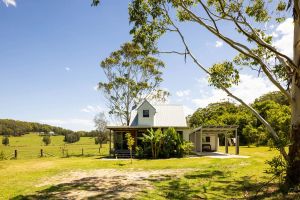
(29, 146)
(209, 178)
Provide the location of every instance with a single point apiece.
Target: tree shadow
(86, 188)
(214, 184)
(208, 184)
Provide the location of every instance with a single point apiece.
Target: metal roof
(166, 115)
(215, 129)
(140, 127)
(169, 115)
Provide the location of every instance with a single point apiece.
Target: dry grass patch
(102, 183)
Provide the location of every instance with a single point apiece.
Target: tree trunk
(293, 170)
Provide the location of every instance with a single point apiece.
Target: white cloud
(284, 37)
(183, 93)
(187, 110)
(219, 43)
(95, 88)
(249, 89)
(68, 69)
(73, 124)
(92, 109)
(10, 3)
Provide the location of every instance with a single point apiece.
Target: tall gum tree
(152, 19)
(131, 77)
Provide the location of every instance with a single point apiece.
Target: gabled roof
(166, 115)
(145, 101)
(169, 115)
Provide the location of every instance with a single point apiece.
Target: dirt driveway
(103, 183)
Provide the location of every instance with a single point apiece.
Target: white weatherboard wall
(146, 121)
(185, 133)
(212, 141)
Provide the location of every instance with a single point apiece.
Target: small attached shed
(206, 138)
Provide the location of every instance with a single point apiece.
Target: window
(180, 134)
(207, 139)
(145, 113)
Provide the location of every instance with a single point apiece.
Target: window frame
(207, 139)
(146, 115)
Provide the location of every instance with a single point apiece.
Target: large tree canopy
(251, 131)
(152, 19)
(131, 77)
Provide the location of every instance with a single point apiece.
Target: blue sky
(50, 53)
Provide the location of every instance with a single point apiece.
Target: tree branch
(263, 121)
(241, 48)
(174, 52)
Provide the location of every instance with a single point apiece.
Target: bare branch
(263, 121)
(170, 52)
(242, 49)
(255, 37)
(208, 13)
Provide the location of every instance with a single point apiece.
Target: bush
(5, 140)
(187, 147)
(172, 144)
(46, 140)
(139, 152)
(2, 155)
(72, 137)
(164, 144)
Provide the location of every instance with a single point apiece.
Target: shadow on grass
(209, 184)
(90, 188)
(213, 184)
(80, 155)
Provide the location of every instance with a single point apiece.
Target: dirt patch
(104, 183)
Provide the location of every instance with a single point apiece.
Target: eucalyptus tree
(152, 19)
(100, 124)
(131, 76)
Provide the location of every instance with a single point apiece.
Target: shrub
(5, 140)
(2, 155)
(130, 143)
(46, 140)
(72, 137)
(172, 144)
(164, 144)
(187, 147)
(139, 152)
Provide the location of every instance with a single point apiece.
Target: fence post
(82, 151)
(237, 147)
(16, 153)
(42, 154)
(226, 144)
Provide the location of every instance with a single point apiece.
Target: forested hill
(17, 128)
(273, 106)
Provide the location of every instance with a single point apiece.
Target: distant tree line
(18, 128)
(273, 106)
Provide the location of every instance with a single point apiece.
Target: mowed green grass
(30, 145)
(210, 178)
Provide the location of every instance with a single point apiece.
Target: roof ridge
(167, 104)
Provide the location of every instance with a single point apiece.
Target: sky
(50, 53)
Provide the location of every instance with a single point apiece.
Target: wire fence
(10, 153)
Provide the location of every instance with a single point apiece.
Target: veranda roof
(215, 129)
(140, 127)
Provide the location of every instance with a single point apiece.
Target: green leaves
(130, 140)
(223, 75)
(132, 75)
(258, 10)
